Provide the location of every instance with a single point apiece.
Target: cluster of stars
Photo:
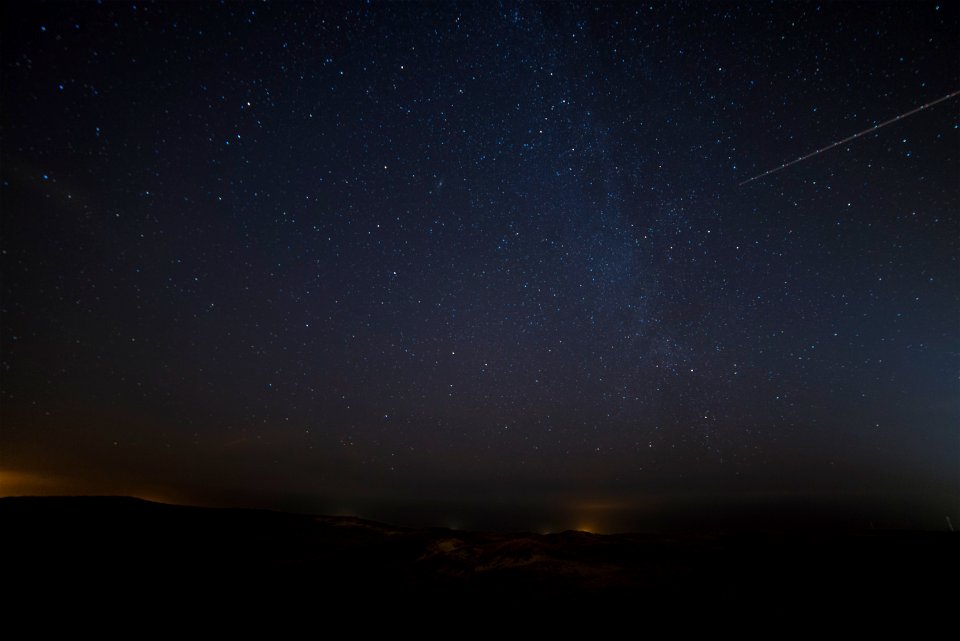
(394, 247)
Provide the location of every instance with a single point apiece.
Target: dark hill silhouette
(85, 552)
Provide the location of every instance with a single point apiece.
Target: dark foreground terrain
(100, 558)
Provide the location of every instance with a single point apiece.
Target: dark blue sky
(480, 253)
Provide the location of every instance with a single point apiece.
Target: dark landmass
(109, 555)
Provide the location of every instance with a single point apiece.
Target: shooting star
(849, 138)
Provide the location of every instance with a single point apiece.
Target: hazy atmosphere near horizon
(487, 265)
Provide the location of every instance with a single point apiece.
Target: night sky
(363, 257)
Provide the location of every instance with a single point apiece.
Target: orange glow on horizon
(20, 483)
(16, 483)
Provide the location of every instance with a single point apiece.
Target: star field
(478, 252)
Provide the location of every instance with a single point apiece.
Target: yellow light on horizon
(20, 483)
(17, 483)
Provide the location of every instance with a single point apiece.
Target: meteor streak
(849, 138)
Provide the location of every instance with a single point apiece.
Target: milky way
(326, 256)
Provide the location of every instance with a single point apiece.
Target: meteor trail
(849, 138)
